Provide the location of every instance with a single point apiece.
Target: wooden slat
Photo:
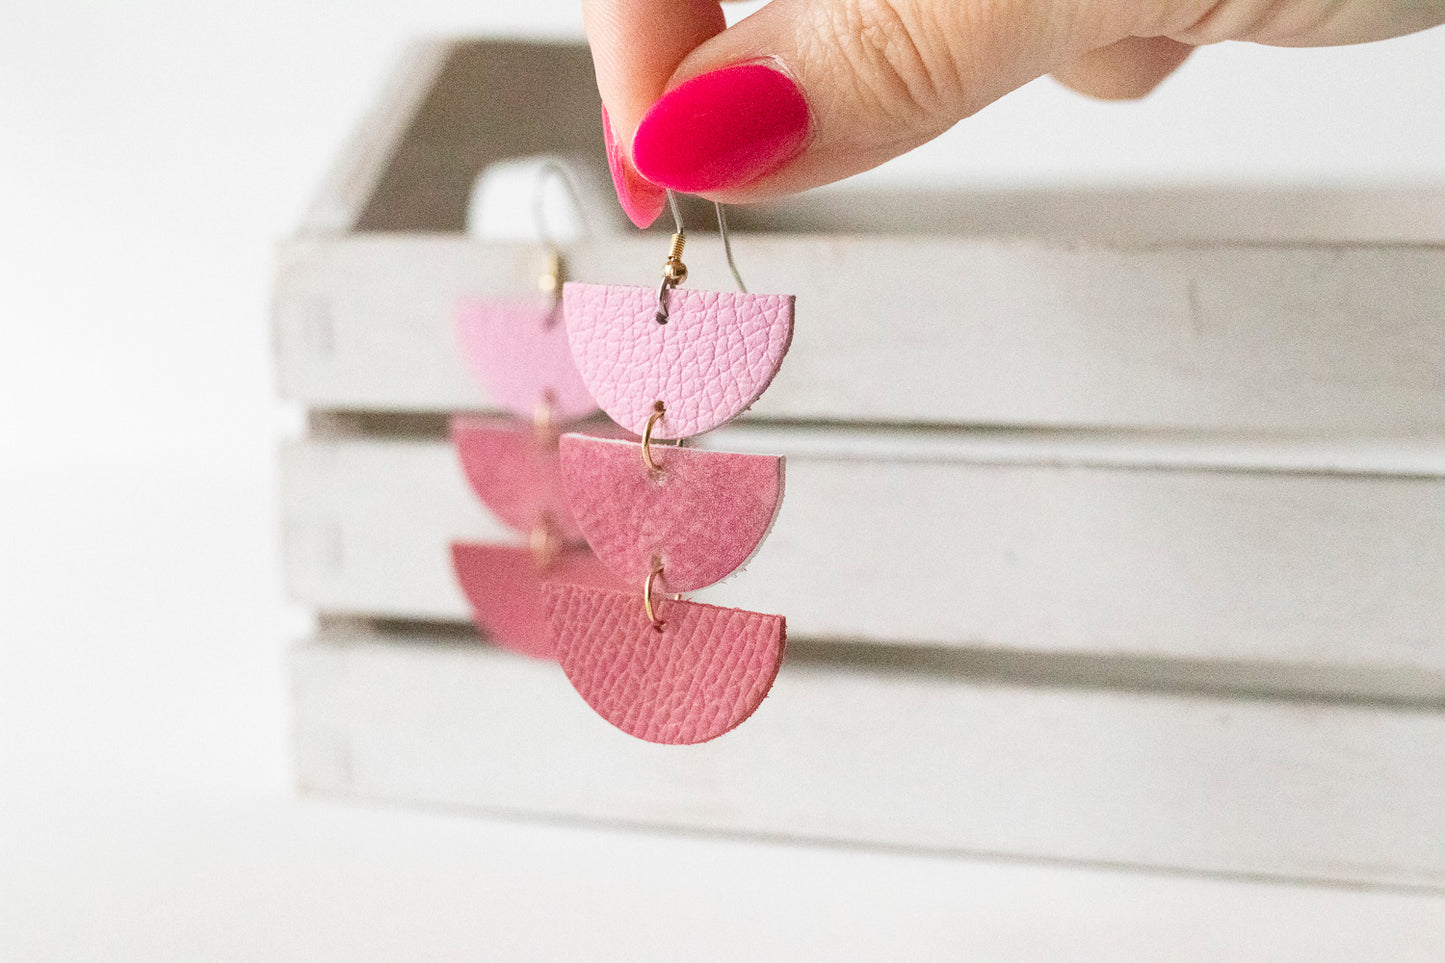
(1134, 214)
(1291, 789)
(451, 108)
(361, 165)
(938, 330)
(970, 542)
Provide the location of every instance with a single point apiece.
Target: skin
(883, 76)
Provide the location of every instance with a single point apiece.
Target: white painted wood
(966, 544)
(900, 758)
(1299, 339)
(1420, 457)
(451, 108)
(1119, 215)
(359, 167)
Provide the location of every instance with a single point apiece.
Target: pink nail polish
(640, 201)
(722, 130)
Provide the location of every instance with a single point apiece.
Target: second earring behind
(670, 364)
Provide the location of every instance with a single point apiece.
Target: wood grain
(966, 543)
(898, 758)
(1294, 339)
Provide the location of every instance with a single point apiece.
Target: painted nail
(640, 201)
(722, 129)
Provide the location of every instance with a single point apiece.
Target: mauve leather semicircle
(514, 473)
(503, 585)
(701, 516)
(518, 350)
(716, 354)
(702, 674)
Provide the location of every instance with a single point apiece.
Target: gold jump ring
(544, 426)
(657, 411)
(657, 623)
(543, 543)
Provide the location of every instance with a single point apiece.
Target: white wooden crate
(856, 752)
(968, 539)
(1307, 339)
(1121, 542)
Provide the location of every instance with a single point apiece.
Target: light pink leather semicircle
(503, 585)
(716, 354)
(701, 516)
(517, 349)
(703, 673)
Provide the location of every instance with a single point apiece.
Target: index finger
(637, 45)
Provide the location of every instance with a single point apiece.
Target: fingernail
(722, 129)
(640, 201)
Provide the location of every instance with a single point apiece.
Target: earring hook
(550, 282)
(676, 211)
(722, 229)
(674, 272)
(551, 167)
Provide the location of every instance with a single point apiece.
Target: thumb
(805, 92)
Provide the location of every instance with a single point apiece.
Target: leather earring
(669, 364)
(518, 350)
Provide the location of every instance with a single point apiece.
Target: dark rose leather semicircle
(703, 673)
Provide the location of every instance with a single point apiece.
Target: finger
(1296, 23)
(636, 47)
(805, 92)
(1125, 69)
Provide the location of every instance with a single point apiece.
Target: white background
(150, 153)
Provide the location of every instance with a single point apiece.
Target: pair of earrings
(664, 364)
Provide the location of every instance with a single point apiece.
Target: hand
(805, 92)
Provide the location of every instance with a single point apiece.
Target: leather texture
(703, 673)
(517, 349)
(710, 361)
(516, 473)
(503, 585)
(701, 516)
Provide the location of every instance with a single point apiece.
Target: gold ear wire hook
(551, 279)
(658, 409)
(551, 168)
(722, 229)
(674, 272)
